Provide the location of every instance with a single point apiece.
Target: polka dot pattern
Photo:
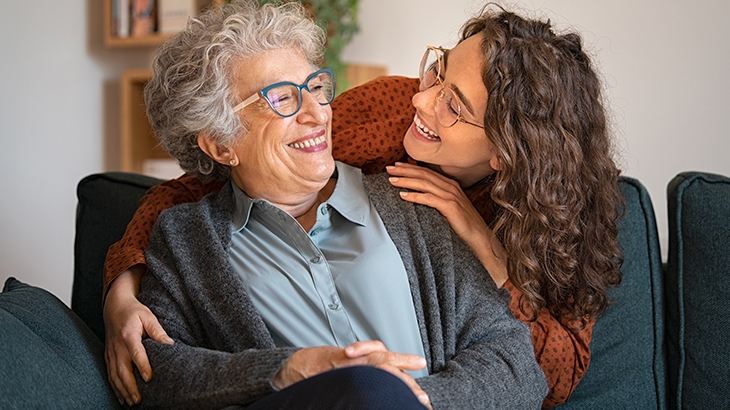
(563, 355)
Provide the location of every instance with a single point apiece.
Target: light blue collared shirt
(341, 282)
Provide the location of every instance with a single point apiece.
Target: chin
(326, 170)
(413, 149)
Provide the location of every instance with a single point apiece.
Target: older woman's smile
(310, 144)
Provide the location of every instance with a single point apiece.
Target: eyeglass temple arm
(246, 102)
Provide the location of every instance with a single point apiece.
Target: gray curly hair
(192, 88)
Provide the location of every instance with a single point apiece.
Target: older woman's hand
(446, 196)
(311, 361)
(126, 321)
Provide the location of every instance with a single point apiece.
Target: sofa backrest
(627, 365)
(627, 369)
(697, 282)
(106, 203)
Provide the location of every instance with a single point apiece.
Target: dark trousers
(350, 388)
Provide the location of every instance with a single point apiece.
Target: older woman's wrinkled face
(280, 158)
(462, 150)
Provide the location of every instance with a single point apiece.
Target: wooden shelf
(152, 40)
(137, 142)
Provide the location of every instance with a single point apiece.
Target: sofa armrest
(697, 282)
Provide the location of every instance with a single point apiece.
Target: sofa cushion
(106, 204)
(697, 283)
(49, 358)
(627, 365)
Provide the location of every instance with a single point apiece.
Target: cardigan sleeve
(223, 353)
(478, 354)
(563, 355)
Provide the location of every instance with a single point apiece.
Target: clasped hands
(127, 321)
(310, 361)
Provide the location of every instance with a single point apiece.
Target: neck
(294, 197)
(301, 205)
(308, 217)
(465, 179)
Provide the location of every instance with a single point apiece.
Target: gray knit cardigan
(478, 355)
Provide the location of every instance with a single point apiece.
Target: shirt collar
(349, 199)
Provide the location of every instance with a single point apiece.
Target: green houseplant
(339, 19)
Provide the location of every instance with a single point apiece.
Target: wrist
(127, 283)
(493, 257)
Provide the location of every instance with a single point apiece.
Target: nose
(425, 101)
(312, 110)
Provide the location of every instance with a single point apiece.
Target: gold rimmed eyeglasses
(448, 106)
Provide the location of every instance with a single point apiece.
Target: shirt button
(333, 306)
(316, 259)
(314, 232)
(323, 211)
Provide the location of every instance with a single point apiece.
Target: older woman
(280, 287)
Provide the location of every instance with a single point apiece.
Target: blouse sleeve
(129, 250)
(563, 355)
(369, 122)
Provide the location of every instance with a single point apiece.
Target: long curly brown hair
(557, 194)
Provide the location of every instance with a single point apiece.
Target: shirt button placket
(337, 317)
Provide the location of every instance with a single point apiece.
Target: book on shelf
(173, 15)
(143, 18)
(120, 18)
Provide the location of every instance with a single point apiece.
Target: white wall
(58, 123)
(665, 62)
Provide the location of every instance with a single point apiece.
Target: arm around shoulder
(129, 250)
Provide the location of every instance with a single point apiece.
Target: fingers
(153, 329)
(139, 357)
(430, 188)
(370, 355)
(119, 372)
(111, 373)
(410, 382)
(363, 348)
(126, 321)
(374, 353)
(417, 173)
(309, 361)
(126, 378)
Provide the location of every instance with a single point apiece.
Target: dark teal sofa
(662, 344)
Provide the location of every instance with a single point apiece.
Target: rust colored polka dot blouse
(368, 125)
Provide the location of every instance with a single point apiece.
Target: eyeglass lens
(286, 99)
(431, 66)
(447, 108)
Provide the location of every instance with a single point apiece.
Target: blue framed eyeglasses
(285, 97)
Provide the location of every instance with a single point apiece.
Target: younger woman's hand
(446, 196)
(126, 321)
